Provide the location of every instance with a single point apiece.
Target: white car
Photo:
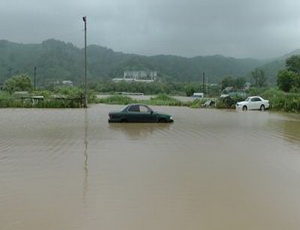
(253, 103)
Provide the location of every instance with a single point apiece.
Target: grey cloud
(240, 28)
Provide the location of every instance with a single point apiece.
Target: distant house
(199, 95)
(138, 76)
(67, 83)
(247, 85)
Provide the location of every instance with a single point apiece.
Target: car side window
(144, 109)
(134, 108)
(256, 99)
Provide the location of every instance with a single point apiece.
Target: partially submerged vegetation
(282, 101)
(117, 99)
(161, 99)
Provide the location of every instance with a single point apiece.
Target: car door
(133, 113)
(147, 115)
(255, 103)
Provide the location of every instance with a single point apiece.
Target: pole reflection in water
(86, 171)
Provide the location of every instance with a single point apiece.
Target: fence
(41, 102)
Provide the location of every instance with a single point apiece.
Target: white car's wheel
(262, 108)
(245, 108)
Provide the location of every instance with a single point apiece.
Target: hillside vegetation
(38, 68)
(56, 61)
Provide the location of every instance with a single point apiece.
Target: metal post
(207, 86)
(34, 78)
(203, 82)
(85, 64)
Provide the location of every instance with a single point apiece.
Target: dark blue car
(138, 113)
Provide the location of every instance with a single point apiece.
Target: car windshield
(248, 99)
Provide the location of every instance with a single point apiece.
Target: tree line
(288, 80)
(286, 95)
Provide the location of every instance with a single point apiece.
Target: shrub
(281, 101)
(163, 99)
(18, 83)
(228, 102)
(197, 103)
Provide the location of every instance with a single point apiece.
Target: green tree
(289, 79)
(228, 82)
(18, 83)
(286, 80)
(293, 64)
(189, 89)
(259, 78)
(231, 81)
(240, 82)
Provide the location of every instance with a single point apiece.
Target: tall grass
(281, 101)
(163, 99)
(117, 99)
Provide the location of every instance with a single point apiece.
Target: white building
(138, 76)
(67, 83)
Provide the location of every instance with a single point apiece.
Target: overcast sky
(236, 28)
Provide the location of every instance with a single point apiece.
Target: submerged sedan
(138, 113)
(253, 103)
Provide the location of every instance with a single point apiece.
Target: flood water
(210, 170)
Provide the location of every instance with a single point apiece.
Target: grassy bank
(160, 99)
(163, 99)
(281, 101)
(117, 99)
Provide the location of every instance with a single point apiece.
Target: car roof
(137, 104)
(254, 97)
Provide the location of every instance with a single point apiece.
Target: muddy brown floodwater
(210, 170)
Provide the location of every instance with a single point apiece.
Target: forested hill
(55, 60)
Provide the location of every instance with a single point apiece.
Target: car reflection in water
(139, 131)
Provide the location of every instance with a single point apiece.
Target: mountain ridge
(58, 60)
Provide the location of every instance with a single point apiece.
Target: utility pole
(207, 86)
(203, 82)
(85, 64)
(34, 78)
